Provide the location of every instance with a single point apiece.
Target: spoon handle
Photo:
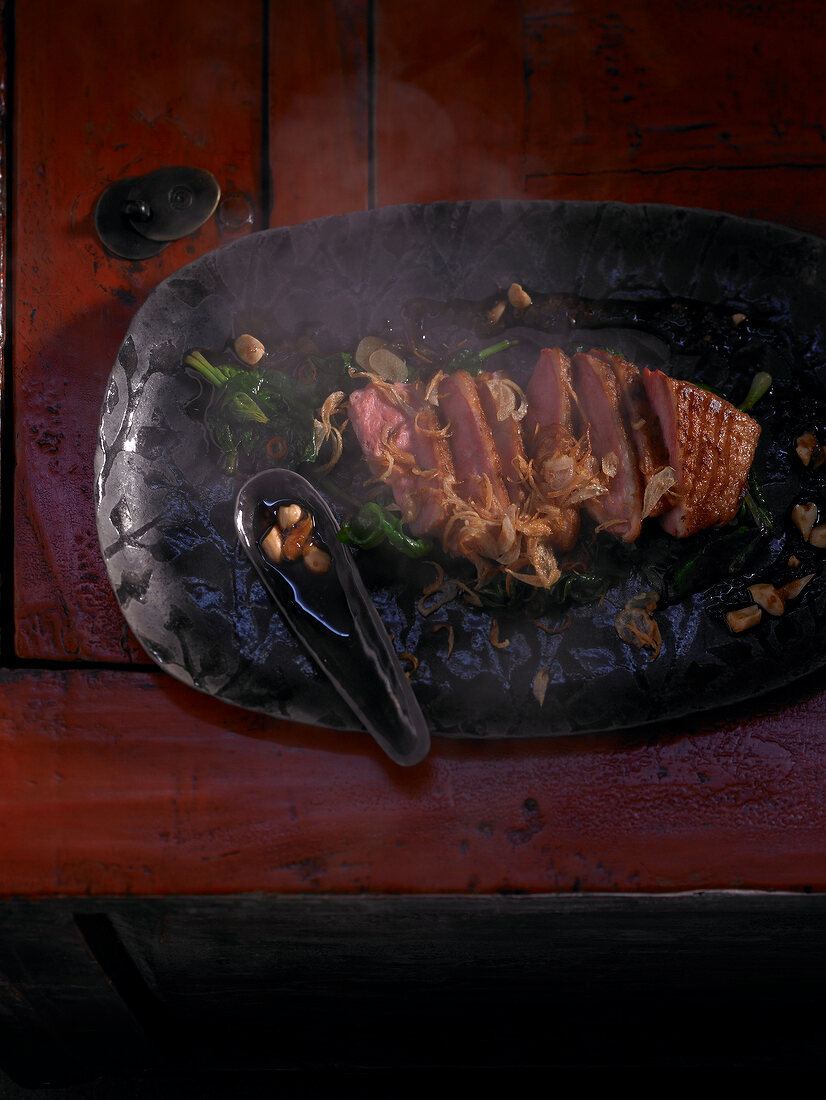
(340, 628)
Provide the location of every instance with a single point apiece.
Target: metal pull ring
(137, 217)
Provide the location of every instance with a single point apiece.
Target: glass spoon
(329, 611)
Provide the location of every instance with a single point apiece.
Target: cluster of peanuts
(767, 597)
(292, 537)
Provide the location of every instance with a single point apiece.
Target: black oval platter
(165, 512)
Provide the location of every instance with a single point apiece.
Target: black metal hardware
(136, 218)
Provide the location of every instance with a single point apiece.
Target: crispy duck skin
(421, 459)
(507, 437)
(603, 415)
(644, 428)
(711, 446)
(476, 463)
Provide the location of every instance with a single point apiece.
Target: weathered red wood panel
(143, 85)
(319, 109)
(131, 783)
(483, 99)
(4, 174)
(450, 104)
(700, 104)
(124, 784)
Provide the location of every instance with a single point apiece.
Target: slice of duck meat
(476, 463)
(550, 445)
(501, 406)
(711, 446)
(549, 396)
(404, 444)
(619, 508)
(554, 470)
(644, 428)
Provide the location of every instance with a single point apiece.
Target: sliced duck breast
(551, 447)
(644, 428)
(554, 473)
(549, 396)
(403, 443)
(502, 411)
(476, 463)
(711, 446)
(601, 407)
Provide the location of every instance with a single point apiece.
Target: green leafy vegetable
(760, 386)
(249, 407)
(374, 525)
(341, 361)
(472, 361)
(756, 506)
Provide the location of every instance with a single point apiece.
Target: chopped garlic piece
(610, 464)
(793, 589)
(661, 482)
(804, 517)
(518, 297)
(805, 446)
(496, 311)
(767, 597)
(540, 685)
(744, 618)
(272, 545)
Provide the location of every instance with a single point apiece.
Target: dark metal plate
(165, 516)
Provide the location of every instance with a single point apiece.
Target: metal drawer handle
(137, 217)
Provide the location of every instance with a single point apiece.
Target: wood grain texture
(5, 404)
(490, 99)
(699, 104)
(450, 104)
(129, 783)
(62, 1020)
(115, 784)
(182, 87)
(337, 983)
(319, 109)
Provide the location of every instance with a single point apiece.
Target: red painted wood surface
(319, 108)
(125, 781)
(692, 103)
(136, 785)
(181, 86)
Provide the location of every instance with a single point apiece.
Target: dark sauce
(317, 594)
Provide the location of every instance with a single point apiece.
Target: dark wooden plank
(145, 84)
(319, 109)
(701, 104)
(114, 784)
(63, 1022)
(488, 981)
(335, 983)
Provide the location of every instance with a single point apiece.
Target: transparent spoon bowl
(332, 615)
